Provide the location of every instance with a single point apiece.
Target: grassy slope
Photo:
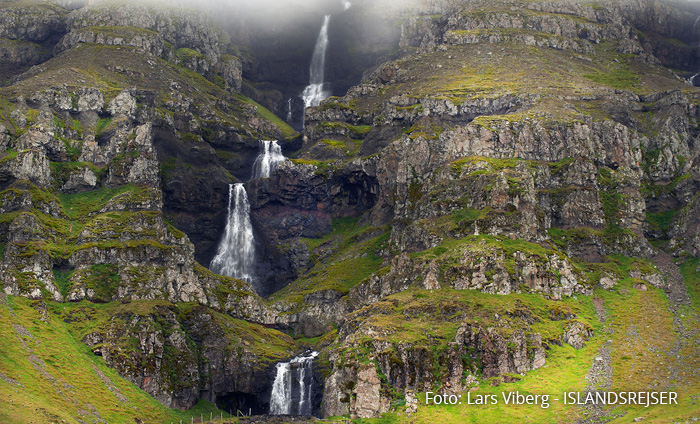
(112, 69)
(340, 260)
(641, 332)
(56, 378)
(66, 386)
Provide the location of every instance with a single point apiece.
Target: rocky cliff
(511, 149)
(501, 194)
(103, 143)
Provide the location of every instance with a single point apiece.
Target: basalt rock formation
(496, 188)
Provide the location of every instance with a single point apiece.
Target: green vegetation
(102, 123)
(343, 129)
(690, 269)
(187, 55)
(61, 171)
(82, 205)
(62, 280)
(323, 167)
(350, 255)
(284, 128)
(50, 374)
(660, 221)
(620, 78)
(104, 280)
(611, 199)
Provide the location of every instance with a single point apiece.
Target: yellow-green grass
(427, 316)
(478, 71)
(691, 272)
(350, 254)
(58, 375)
(268, 344)
(97, 66)
(284, 128)
(643, 338)
(565, 371)
(640, 357)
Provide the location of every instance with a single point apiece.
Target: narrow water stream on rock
(268, 159)
(316, 91)
(235, 256)
(292, 389)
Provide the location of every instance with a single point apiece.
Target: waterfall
(293, 386)
(315, 92)
(289, 110)
(268, 159)
(691, 80)
(235, 256)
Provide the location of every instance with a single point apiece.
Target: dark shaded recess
(62, 265)
(10, 71)
(244, 402)
(272, 268)
(358, 192)
(282, 49)
(291, 146)
(282, 54)
(378, 138)
(675, 56)
(195, 188)
(279, 218)
(358, 40)
(317, 389)
(237, 386)
(659, 32)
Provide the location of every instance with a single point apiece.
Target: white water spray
(293, 387)
(268, 159)
(289, 110)
(315, 91)
(235, 256)
(346, 4)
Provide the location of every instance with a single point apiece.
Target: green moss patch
(350, 255)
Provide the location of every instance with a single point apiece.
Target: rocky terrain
(501, 196)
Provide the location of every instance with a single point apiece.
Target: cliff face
(512, 149)
(100, 143)
(501, 184)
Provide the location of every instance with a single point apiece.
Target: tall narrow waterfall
(315, 91)
(289, 110)
(268, 159)
(235, 256)
(293, 387)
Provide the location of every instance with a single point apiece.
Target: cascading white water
(315, 91)
(289, 110)
(268, 159)
(292, 389)
(235, 256)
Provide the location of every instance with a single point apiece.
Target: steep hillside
(506, 200)
(101, 143)
(532, 150)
